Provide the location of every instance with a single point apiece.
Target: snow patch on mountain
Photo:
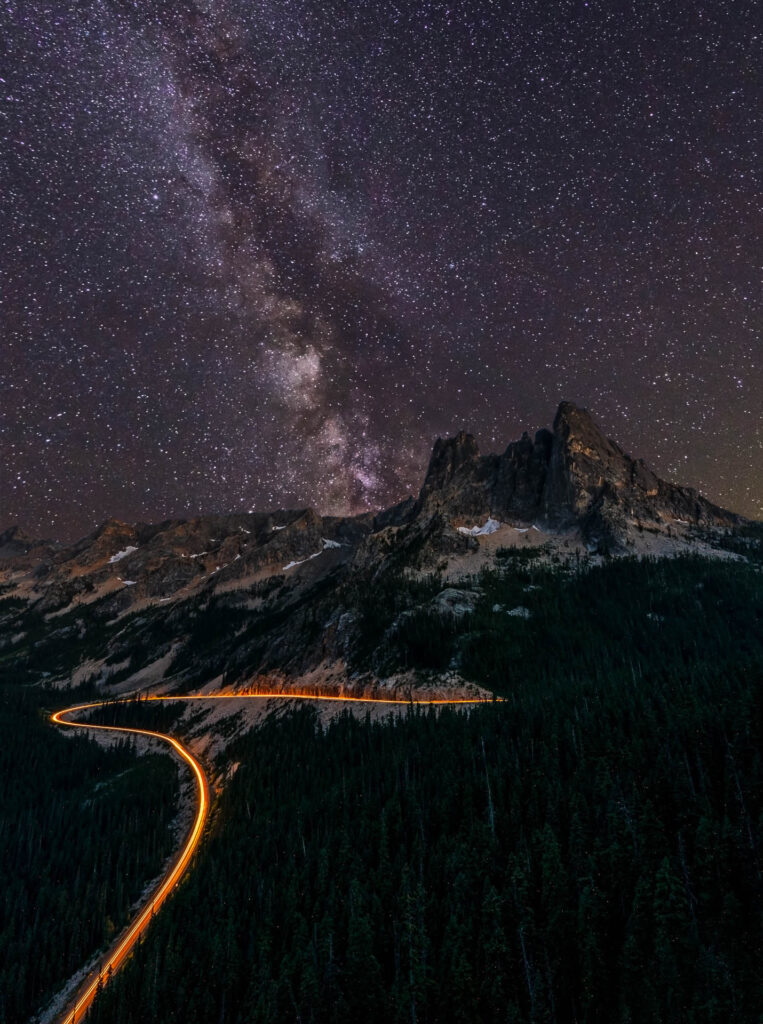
(123, 554)
(480, 531)
(302, 561)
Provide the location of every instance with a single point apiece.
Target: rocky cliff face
(594, 483)
(235, 596)
(570, 478)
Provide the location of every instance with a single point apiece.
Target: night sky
(260, 253)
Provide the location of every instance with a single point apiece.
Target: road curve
(78, 1006)
(86, 993)
(288, 695)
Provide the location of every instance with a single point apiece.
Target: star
(261, 255)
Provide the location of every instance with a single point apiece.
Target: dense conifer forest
(82, 828)
(535, 625)
(588, 850)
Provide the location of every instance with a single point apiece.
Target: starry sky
(260, 255)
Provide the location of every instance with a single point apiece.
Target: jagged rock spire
(449, 455)
(572, 477)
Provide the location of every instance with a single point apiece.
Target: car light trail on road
(288, 695)
(113, 960)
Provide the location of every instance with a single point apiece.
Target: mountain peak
(571, 415)
(572, 478)
(576, 426)
(449, 456)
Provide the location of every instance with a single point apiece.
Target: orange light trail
(114, 959)
(312, 696)
(125, 944)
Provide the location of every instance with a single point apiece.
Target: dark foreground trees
(82, 828)
(587, 854)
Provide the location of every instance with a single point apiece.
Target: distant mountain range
(567, 493)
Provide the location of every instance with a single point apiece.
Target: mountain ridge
(571, 481)
(531, 477)
(287, 596)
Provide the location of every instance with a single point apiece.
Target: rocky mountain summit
(302, 599)
(571, 477)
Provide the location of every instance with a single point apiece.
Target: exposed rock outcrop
(571, 477)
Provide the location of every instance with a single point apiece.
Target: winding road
(79, 1004)
(86, 993)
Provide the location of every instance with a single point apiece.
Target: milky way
(261, 254)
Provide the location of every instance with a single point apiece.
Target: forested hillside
(82, 828)
(531, 624)
(588, 850)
